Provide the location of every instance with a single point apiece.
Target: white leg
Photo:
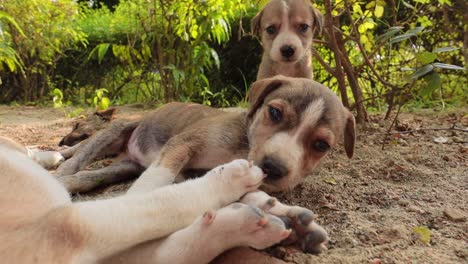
(151, 179)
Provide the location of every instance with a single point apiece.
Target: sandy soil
(370, 204)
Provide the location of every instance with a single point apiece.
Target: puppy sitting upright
(286, 29)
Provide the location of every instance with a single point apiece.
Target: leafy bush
(39, 39)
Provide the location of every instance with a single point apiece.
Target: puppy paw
(242, 173)
(270, 232)
(47, 159)
(307, 234)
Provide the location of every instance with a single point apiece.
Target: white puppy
(40, 224)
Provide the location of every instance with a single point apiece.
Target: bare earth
(370, 205)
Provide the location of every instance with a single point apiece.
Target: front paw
(242, 173)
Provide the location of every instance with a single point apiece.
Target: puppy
(40, 224)
(298, 113)
(286, 29)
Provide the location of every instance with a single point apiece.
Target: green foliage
(158, 51)
(8, 56)
(42, 31)
(100, 100)
(400, 50)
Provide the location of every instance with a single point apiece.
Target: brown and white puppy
(286, 29)
(40, 224)
(290, 125)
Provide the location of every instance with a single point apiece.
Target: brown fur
(181, 137)
(83, 129)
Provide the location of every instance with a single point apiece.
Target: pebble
(454, 215)
(414, 208)
(458, 140)
(403, 202)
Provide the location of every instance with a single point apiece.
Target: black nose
(273, 168)
(287, 51)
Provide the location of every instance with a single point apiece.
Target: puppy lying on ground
(295, 112)
(298, 113)
(286, 29)
(40, 224)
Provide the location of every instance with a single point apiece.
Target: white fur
(209, 236)
(39, 224)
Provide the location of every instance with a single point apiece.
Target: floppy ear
(318, 20)
(349, 134)
(260, 90)
(255, 25)
(106, 115)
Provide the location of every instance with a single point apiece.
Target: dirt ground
(371, 205)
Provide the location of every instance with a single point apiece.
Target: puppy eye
(303, 28)
(271, 30)
(275, 114)
(321, 146)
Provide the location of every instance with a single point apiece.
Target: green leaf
(447, 66)
(402, 37)
(408, 5)
(433, 83)
(426, 57)
(415, 30)
(390, 33)
(444, 49)
(424, 233)
(102, 50)
(422, 71)
(379, 10)
(104, 104)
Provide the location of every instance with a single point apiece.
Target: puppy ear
(208, 217)
(349, 134)
(260, 90)
(106, 115)
(255, 25)
(318, 20)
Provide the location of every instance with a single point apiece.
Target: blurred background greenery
(93, 52)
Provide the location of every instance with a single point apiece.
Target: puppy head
(85, 128)
(286, 28)
(293, 124)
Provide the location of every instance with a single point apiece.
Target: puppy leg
(70, 151)
(47, 159)
(237, 169)
(139, 218)
(308, 235)
(174, 157)
(106, 142)
(84, 181)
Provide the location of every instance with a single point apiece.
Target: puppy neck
(300, 69)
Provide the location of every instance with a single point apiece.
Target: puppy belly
(135, 153)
